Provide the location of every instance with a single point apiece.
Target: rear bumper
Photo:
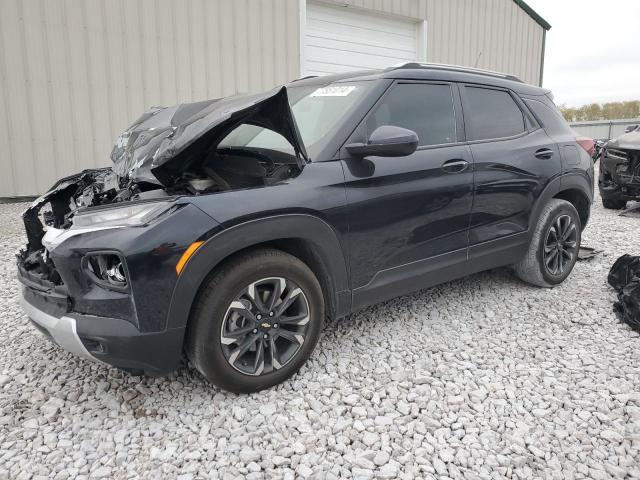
(62, 331)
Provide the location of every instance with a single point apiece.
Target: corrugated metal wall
(603, 129)
(75, 73)
(490, 34)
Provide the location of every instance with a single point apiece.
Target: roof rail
(453, 68)
(303, 78)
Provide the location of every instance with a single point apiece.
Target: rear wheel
(256, 321)
(554, 246)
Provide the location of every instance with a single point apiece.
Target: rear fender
(571, 181)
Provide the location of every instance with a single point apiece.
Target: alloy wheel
(560, 245)
(265, 326)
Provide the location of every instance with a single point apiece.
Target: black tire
(212, 308)
(533, 268)
(614, 203)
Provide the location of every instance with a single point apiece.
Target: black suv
(231, 228)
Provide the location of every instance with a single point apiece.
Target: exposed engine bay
(174, 151)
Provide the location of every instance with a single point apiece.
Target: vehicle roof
(429, 71)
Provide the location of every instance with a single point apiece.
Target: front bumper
(112, 341)
(61, 331)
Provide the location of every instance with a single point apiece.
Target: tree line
(602, 111)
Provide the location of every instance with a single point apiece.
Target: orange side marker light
(186, 255)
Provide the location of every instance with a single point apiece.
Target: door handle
(544, 153)
(455, 166)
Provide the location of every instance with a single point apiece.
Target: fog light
(107, 268)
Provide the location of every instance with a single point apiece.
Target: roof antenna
(475, 65)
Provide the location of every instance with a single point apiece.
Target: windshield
(317, 110)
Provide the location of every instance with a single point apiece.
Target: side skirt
(432, 271)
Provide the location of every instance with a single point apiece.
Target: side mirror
(386, 141)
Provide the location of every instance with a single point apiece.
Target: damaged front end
(620, 168)
(187, 149)
(99, 268)
(55, 209)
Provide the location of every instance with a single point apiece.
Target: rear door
(514, 159)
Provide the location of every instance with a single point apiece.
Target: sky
(592, 53)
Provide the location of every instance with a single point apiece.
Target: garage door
(339, 39)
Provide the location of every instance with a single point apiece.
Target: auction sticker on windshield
(334, 91)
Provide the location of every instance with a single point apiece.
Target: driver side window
(427, 109)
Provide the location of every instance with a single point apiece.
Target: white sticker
(334, 91)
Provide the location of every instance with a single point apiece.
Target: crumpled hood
(627, 141)
(155, 148)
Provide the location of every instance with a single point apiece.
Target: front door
(409, 216)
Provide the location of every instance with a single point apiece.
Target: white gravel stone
(480, 378)
(369, 438)
(304, 471)
(381, 457)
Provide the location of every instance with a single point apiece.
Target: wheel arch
(579, 200)
(304, 236)
(573, 187)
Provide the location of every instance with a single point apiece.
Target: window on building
(492, 114)
(427, 109)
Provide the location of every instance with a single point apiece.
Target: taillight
(587, 143)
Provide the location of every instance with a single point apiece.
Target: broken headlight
(126, 216)
(107, 269)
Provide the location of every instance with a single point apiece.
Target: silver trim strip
(55, 236)
(63, 330)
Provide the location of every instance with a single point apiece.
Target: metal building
(75, 73)
(604, 129)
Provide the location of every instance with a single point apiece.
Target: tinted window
(424, 108)
(492, 114)
(552, 120)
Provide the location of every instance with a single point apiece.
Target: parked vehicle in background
(232, 228)
(619, 178)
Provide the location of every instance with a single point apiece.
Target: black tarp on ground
(624, 276)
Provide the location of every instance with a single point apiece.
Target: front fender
(217, 248)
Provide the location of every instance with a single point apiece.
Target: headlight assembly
(125, 216)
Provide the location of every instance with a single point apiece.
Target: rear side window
(492, 114)
(427, 109)
(552, 120)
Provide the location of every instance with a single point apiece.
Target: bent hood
(627, 141)
(163, 142)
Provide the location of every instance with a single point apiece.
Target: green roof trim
(544, 43)
(533, 14)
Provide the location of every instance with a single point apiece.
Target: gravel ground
(484, 377)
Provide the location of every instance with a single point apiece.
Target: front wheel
(554, 246)
(256, 321)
